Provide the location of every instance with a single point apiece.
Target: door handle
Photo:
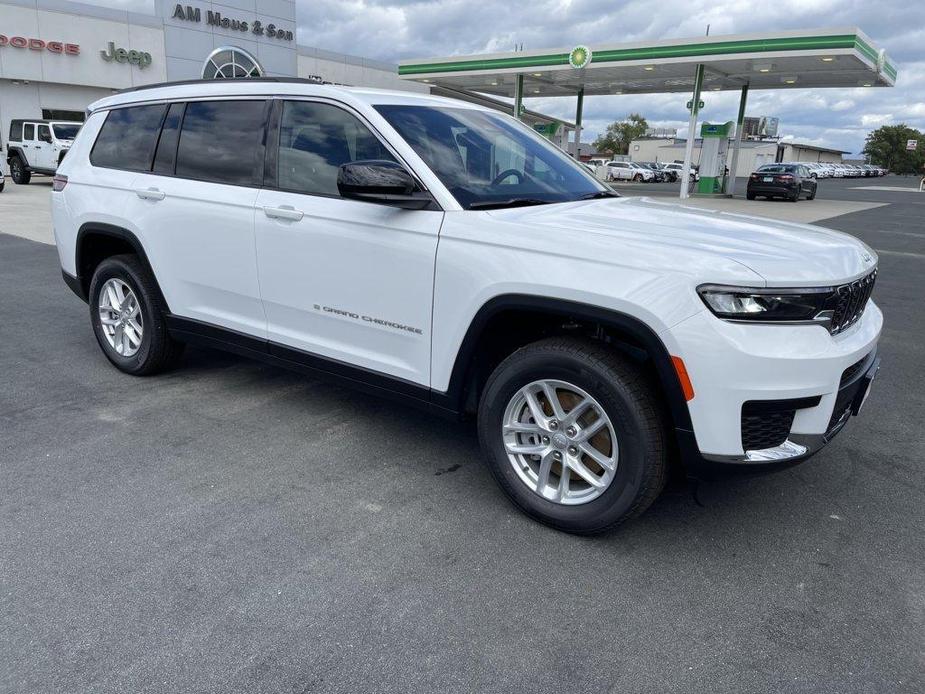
(284, 212)
(150, 194)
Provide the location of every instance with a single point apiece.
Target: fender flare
(114, 232)
(622, 322)
(12, 150)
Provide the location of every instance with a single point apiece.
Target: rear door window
(128, 137)
(223, 142)
(28, 131)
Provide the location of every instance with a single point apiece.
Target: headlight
(809, 304)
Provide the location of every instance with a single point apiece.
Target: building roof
(814, 58)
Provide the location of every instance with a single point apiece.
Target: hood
(783, 253)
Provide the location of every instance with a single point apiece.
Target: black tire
(158, 351)
(629, 400)
(18, 172)
(812, 196)
(638, 178)
(750, 196)
(2, 184)
(795, 196)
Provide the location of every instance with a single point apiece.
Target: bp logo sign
(579, 57)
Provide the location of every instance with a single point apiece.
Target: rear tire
(155, 351)
(631, 431)
(795, 196)
(18, 172)
(750, 196)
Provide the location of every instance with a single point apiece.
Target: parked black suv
(789, 181)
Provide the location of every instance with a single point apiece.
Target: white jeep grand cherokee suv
(448, 256)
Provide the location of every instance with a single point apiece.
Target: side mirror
(382, 181)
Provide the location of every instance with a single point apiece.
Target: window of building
(314, 140)
(128, 137)
(60, 114)
(222, 141)
(228, 62)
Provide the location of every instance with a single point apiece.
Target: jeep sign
(120, 55)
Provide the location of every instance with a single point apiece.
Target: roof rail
(282, 80)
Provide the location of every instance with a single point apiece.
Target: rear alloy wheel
(127, 315)
(795, 196)
(18, 172)
(573, 433)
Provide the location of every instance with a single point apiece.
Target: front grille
(765, 429)
(850, 301)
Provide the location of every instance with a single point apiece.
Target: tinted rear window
(128, 137)
(222, 142)
(16, 131)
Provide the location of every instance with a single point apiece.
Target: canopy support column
(578, 109)
(691, 133)
(518, 95)
(740, 126)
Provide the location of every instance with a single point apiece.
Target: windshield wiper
(512, 202)
(600, 194)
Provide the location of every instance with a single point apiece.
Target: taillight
(58, 183)
(785, 177)
(754, 177)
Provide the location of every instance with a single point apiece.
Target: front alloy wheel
(560, 442)
(573, 432)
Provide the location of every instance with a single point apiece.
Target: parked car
(442, 254)
(620, 171)
(38, 146)
(671, 175)
(2, 169)
(790, 181)
(659, 175)
(678, 169)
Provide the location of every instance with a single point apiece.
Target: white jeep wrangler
(445, 255)
(38, 146)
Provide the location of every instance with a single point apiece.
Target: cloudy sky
(395, 29)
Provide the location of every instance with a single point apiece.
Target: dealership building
(57, 57)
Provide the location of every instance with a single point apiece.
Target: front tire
(18, 172)
(127, 314)
(573, 433)
(638, 178)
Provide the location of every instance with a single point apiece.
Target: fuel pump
(713, 156)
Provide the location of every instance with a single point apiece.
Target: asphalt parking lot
(231, 527)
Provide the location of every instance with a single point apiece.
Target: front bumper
(731, 364)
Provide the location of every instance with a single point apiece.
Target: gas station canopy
(810, 59)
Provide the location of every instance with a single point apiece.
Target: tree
(886, 147)
(616, 139)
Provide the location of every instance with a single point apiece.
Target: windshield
(65, 131)
(487, 159)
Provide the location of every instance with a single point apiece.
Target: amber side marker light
(683, 378)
